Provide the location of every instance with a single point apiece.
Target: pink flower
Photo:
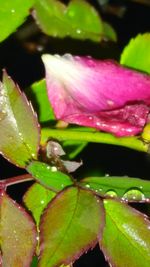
(97, 93)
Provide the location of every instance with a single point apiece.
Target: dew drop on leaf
(87, 186)
(134, 194)
(111, 193)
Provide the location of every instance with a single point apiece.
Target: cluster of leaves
(67, 217)
(70, 216)
(56, 19)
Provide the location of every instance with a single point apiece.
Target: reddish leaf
(126, 236)
(19, 130)
(18, 234)
(70, 226)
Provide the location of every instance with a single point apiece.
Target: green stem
(132, 142)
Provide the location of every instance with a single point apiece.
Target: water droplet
(106, 175)
(87, 186)
(99, 189)
(98, 123)
(39, 48)
(48, 167)
(57, 56)
(62, 185)
(90, 118)
(111, 193)
(78, 31)
(42, 201)
(12, 10)
(68, 56)
(110, 103)
(53, 169)
(134, 195)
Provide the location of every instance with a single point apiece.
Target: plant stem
(132, 142)
(16, 180)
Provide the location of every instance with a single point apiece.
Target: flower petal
(97, 93)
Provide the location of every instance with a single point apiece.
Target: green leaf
(70, 226)
(49, 176)
(126, 236)
(78, 20)
(18, 234)
(129, 189)
(36, 199)
(19, 129)
(38, 94)
(49, 16)
(109, 32)
(12, 15)
(84, 20)
(136, 53)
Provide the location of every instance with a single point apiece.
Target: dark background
(20, 56)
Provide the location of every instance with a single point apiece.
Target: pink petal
(96, 93)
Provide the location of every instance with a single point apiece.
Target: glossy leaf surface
(49, 176)
(129, 189)
(136, 53)
(12, 15)
(36, 199)
(38, 94)
(18, 234)
(19, 130)
(78, 20)
(70, 226)
(126, 236)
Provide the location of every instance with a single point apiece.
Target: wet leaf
(78, 20)
(127, 188)
(136, 53)
(38, 94)
(19, 129)
(70, 226)
(49, 176)
(36, 199)
(84, 20)
(18, 234)
(12, 15)
(126, 236)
